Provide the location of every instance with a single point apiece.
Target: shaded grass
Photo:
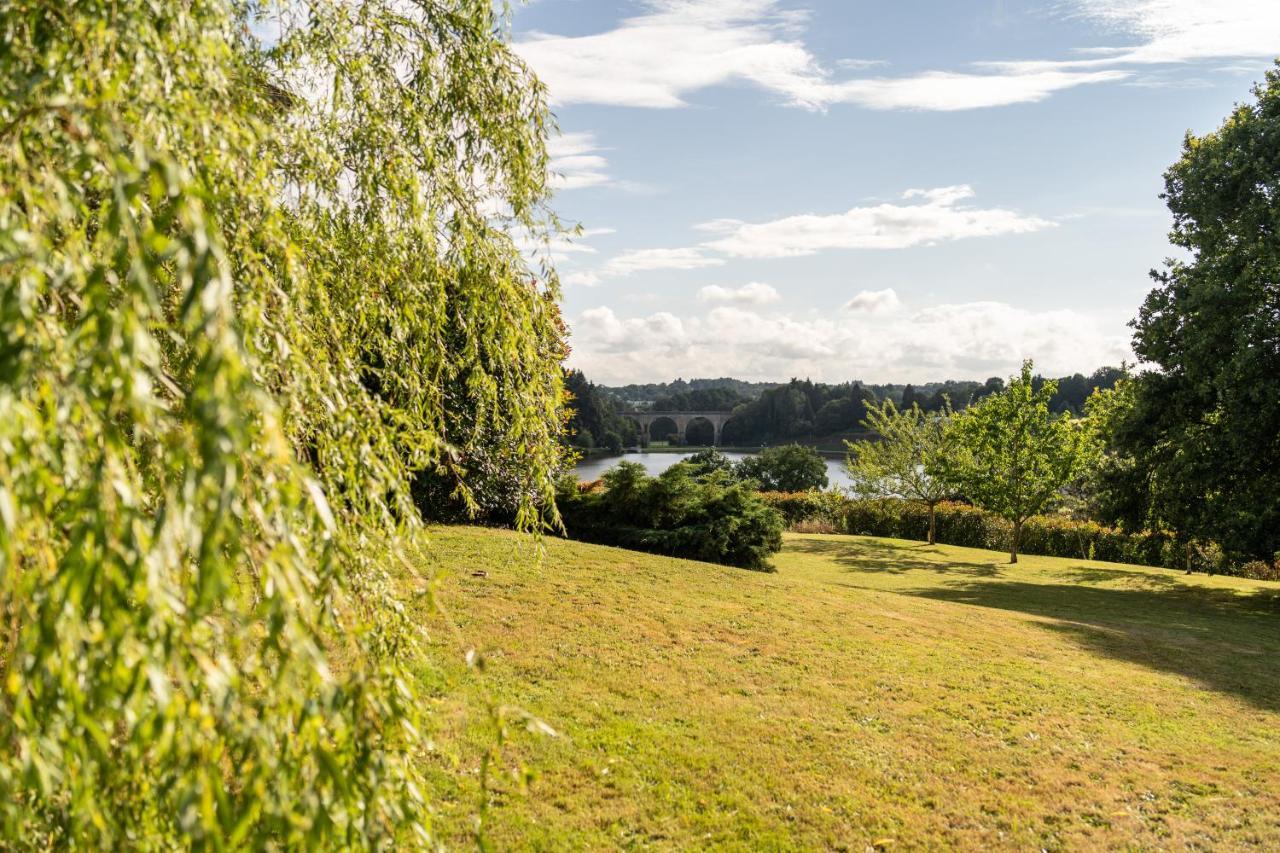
(871, 691)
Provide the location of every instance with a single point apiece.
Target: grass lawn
(872, 692)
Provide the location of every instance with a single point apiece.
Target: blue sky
(887, 191)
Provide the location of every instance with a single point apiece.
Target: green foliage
(1075, 391)
(810, 506)
(593, 417)
(789, 468)
(906, 457)
(651, 392)
(709, 461)
(612, 442)
(1201, 434)
(677, 513)
(801, 409)
(955, 523)
(1050, 536)
(700, 400)
(798, 409)
(1261, 570)
(1112, 488)
(1010, 455)
(247, 289)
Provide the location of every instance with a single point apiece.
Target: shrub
(965, 524)
(497, 485)
(676, 513)
(815, 525)
(612, 441)
(810, 507)
(1208, 558)
(709, 461)
(1260, 570)
(970, 527)
(789, 468)
(1053, 536)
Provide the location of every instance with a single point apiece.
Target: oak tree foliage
(1199, 441)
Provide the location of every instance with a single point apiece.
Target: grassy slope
(872, 691)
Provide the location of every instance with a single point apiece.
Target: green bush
(612, 441)
(970, 527)
(1261, 570)
(957, 524)
(789, 468)
(677, 514)
(1053, 536)
(707, 462)
(809, 506)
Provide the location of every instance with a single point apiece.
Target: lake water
(656, 463)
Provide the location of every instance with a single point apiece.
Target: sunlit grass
(872, 691)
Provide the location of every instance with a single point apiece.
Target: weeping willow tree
(254, 275)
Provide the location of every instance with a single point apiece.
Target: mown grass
(872, 692)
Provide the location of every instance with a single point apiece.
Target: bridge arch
(681, 421)
(666, 427)
(701, 427)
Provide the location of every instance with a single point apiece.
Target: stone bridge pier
(682, 421)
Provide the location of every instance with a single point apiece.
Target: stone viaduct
(681, 420)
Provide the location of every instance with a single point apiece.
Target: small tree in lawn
(1010, 455)
(905, 460)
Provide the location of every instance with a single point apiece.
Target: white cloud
(571, 145)
(948, 91)
(560, 247)
(580, 279)
(644, 260)
(1169, 32)
(677, 47)
(753, 293)
(661, 332)
(576, 162)
(970, 340)
(674, 48)
(938, 216)
(1183, 30)
(874, 301)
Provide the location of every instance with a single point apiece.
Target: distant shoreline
(601, 453)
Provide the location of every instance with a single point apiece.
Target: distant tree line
(641, 395)
(722, 398)
(799, 410)
(593, 416)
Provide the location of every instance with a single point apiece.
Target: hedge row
(968, 526)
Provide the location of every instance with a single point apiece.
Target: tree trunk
(1013, 543)
(933, 525)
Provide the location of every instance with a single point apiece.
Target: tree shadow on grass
(1154, 579)
(866, 555)
(1226, 641)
